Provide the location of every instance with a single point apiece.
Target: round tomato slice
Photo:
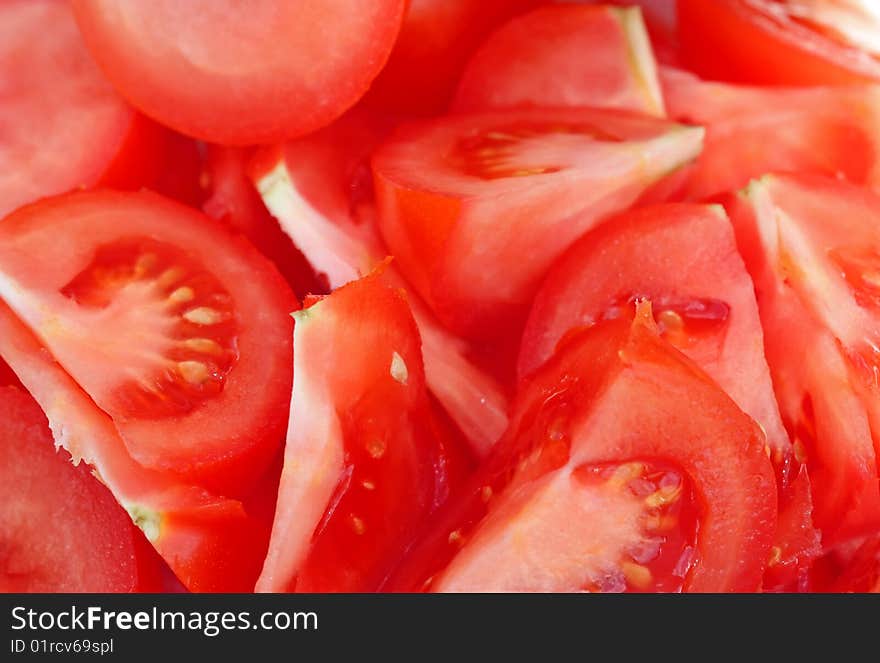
(750, 131)
(362, 469)
(782, 42)
(55, 102)
(177, 330)
(812, 246)
(537, 60)
(61, 530)
(476, 207)
(240, 74)
(435, 42)
(625, 468)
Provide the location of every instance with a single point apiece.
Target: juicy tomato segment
(790, 42)
(476, 207)
(92, 544)
(315, 187)
(49, 110)
(212, 544)
(289, 69)
(549, 69)
(662, 500)
(174, 328)
(751, 131)
(359, 472)
(792, 232)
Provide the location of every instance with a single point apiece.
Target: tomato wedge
(625, 468)
(50, 110)
(537, 60)
(812, 245)
(61, 530)
(751, 131)
(476, 207)
(178, 331)
(239, 74)
(211, 543)
(781, 42)
(319, 189)
(361, 465)
(435, 42)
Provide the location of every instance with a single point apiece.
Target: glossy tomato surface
(241, 73)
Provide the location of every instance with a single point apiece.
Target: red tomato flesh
(607, 481)
(537, 60)
(178, 331)
(239, 74)
(476, 207)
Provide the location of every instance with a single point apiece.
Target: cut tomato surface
(751, 131)
(240, 74)
(55, 102)
(537, 60)
(476, 207)
(177, 330)
(319, 189)
(361, 463)
(607, 481)
(782, 42)
(61, 530)
(812, 246)
(211, 543)
(435, 42)
(233, 201)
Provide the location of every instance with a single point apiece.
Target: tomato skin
(609, 378)
(85, 542)
(434, 44)
(193, 76)
(458, 217)
(546, 69)
(224, 441)
(780, 51)
(362, 466)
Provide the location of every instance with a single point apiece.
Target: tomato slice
(360, 462)
(61, 530)
(476, 207)
(781, 42)
(684, 259)
(241, 74)
(751, 131)
(211, 543)
(233, 201)
(625, 468)
(55, 101)
(812, 246)
(178, 331)
(319, 189)
(435, 42)
(536, 60)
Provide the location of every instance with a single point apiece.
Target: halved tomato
(240, 74)
(233, 201)
(625, 468)
(362, 469)
(56, 102)
(751, 131)
(537, 60)
(213, 544)
(177, 330)
(435, 42)
(812, 246)
(61, 530)
(782, 42)
(319, 189)
(476, 207)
